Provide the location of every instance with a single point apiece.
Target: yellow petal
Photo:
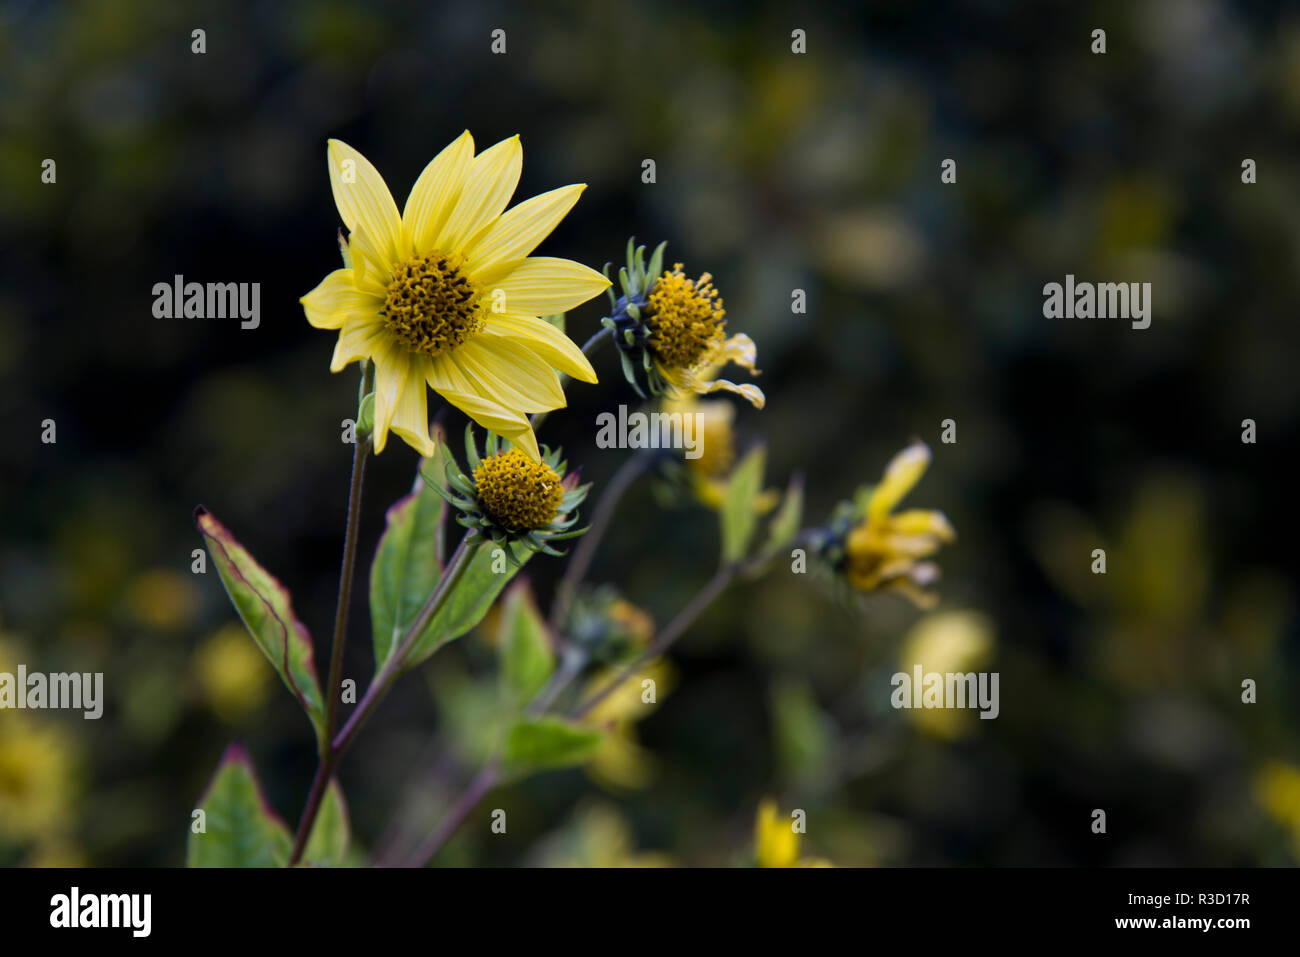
(330, 304)
(488, 186)
(517, 232)
(542, 286)
(544, 339)
(750, 391)
(364, 201)
(920, 521)
(903, 472)
(391, 368)
(434, 194)
(372, 268)
(359, 339)
(490, 415)
(411, 418)
(510, 373)
(775, 842)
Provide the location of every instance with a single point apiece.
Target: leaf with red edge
(265, 607)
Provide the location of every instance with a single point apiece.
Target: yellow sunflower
(447, 293)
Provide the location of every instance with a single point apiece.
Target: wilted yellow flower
(233, 674)
(775, 842)
(884, 550)
(688, 337)
(955, 642)
(36, 776)
(447, 293)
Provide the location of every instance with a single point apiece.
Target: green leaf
(327, 844)
(738, 514)
(489, 571)
(549, 743)
(240, 829)
(526, 656)
(408, 561)
(785, 523)
(266, 609)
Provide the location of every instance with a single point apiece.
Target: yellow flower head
(688, 337)
(447, 293)
(884, 550)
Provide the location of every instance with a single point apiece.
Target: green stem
(382, 681)
(665, 639)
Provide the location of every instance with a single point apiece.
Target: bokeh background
(775, 171)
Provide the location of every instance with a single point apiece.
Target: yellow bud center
(685, 318)
(518, 493)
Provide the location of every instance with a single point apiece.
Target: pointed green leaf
(327, 844)
(265, 607)
(738, 515)
(526, 656)
(408, 561)
(548, 743)
(239, 827)
(488, 573)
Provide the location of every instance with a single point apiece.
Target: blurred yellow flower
(233, 674)
(1277, 790)
(688, 337)
(884, 550)
(163, 598)
(776, 844)
(710, 471)
(599, 837)
(37, 765)
(447, 293)
(621, 763)
(954, 642)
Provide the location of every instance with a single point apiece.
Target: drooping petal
(542, 285)
(391, 367)
(359, 339)
(750, 391)
(330, 304)
(544, 339)
(510, 373)
(411, 418)
(363, 200)
(435, 193)
(902, 472)
(488, 186)
(518, 231)
(922, 521)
